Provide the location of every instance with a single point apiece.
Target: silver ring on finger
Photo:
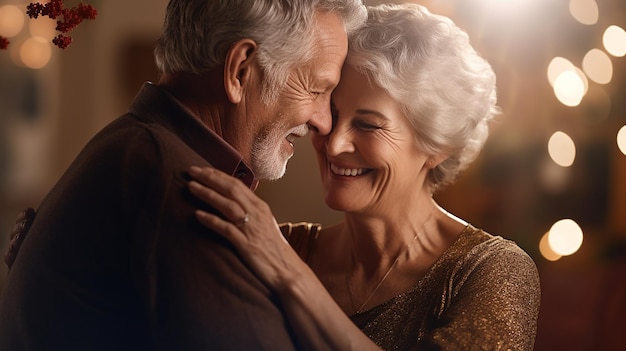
(242, 222)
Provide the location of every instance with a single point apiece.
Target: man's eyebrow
(328, 86)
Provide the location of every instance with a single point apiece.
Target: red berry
(62, 41)
(4, 43)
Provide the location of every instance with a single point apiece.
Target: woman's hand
(248, 224)
(18, 233)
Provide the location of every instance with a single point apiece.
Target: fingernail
(195, 170)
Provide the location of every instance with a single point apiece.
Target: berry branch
(67, 19)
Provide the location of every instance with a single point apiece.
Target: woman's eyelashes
(366, 125)
(358, 124)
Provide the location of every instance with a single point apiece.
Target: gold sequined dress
(482, 294)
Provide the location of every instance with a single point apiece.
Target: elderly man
(114, 259)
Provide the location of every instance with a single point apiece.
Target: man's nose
(321, 122)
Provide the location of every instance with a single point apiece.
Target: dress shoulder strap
(301, 236)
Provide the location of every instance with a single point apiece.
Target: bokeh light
(562, 149)
(621, 139)
(43, 27)
(545, 249)
(565, 237)
(570, 87)
(35, 52)
(569, 82)
(614, 40)
(584, 11)
(598, 66)
(557, 66)
(11, 20)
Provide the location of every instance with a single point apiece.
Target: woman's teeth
(346, 171)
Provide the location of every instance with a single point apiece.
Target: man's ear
(238, 68)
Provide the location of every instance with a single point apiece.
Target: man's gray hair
(197, 34)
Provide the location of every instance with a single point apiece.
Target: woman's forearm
(318, 322)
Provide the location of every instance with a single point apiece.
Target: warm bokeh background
(515, 189)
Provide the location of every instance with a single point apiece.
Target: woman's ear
(238, 67)
(434, 160)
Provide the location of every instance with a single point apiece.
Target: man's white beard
(269, 161)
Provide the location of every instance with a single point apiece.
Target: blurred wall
(82, 88)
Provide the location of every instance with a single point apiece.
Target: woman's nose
(339, 141)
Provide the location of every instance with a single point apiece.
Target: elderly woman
(411, 111)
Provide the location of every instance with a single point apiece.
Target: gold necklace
(393, 265)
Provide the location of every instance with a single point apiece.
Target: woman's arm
(318, 322)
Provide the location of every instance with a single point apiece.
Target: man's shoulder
(129, 134)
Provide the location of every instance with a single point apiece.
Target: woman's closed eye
(366, 126)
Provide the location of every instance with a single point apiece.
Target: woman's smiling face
(369, 162)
